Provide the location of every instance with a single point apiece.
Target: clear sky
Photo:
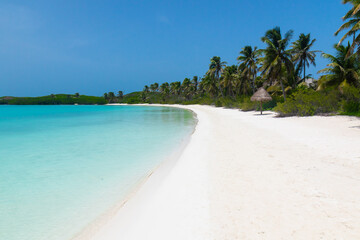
(96, 46)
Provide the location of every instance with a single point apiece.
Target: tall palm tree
(241, 82)
(352, 25)
(195, 82)
(249, 58)
(144, 93)
(276, 56)
(341, 70)
(209, 84)
(228, 79)
(154, 87)
(165, 90)
(146, 89)
(352, 17)
(111, 96)
(302, 55)
(120, 95)
(186, 88)
(216, 68)
(177, 88)
(164, 87)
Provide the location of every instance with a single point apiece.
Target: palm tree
(249, 57)
(154, 87)
(177, 88)
(302, 55)
(241, 82)
(120, 95)
(216, 68)
(341, 70)
(209, 84)
(164, 87)
(195, 82)
(228, 79)
(146, 89)
(353, 24)
(111, 96)
(77, 95)
(165, 90)
(186, 87)
(276, 56)
(201, 88)
(173, 88)
(145, 92)
(106, 96)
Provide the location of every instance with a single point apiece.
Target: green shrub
(350, 107)
(218, 103)
(247, 105)
(351, 102)
(309, 102)
(272, 104)
(227, 102)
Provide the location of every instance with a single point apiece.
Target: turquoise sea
(61, 167)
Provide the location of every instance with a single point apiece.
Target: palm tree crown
(353, 24)
(341, 71)
(302, 55)
(249, 58)
(276, 56)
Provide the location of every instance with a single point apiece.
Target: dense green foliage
(351, 102)
(308, 102)
(57, 99)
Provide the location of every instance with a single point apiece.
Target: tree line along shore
(280, 67)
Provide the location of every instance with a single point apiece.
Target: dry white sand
(246, 176)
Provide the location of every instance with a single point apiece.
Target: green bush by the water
(308, 102)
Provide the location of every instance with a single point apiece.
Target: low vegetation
(63, 99)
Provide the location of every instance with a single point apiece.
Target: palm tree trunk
(253, 82)
(220, 89)
(282, 88)
(218, 80)
(304, 70)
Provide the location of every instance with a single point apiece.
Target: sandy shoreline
(245, 176)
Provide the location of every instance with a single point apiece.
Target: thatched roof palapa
(261, 96)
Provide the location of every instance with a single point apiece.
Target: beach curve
(244, 176)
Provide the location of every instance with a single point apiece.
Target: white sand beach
(250, 176)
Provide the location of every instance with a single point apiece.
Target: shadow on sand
(264, 114)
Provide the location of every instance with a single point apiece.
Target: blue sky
(93, 47)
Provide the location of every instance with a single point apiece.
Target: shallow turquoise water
(63, 166)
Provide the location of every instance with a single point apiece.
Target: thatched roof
(261, 96)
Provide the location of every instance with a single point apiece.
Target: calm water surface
(63, 166)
